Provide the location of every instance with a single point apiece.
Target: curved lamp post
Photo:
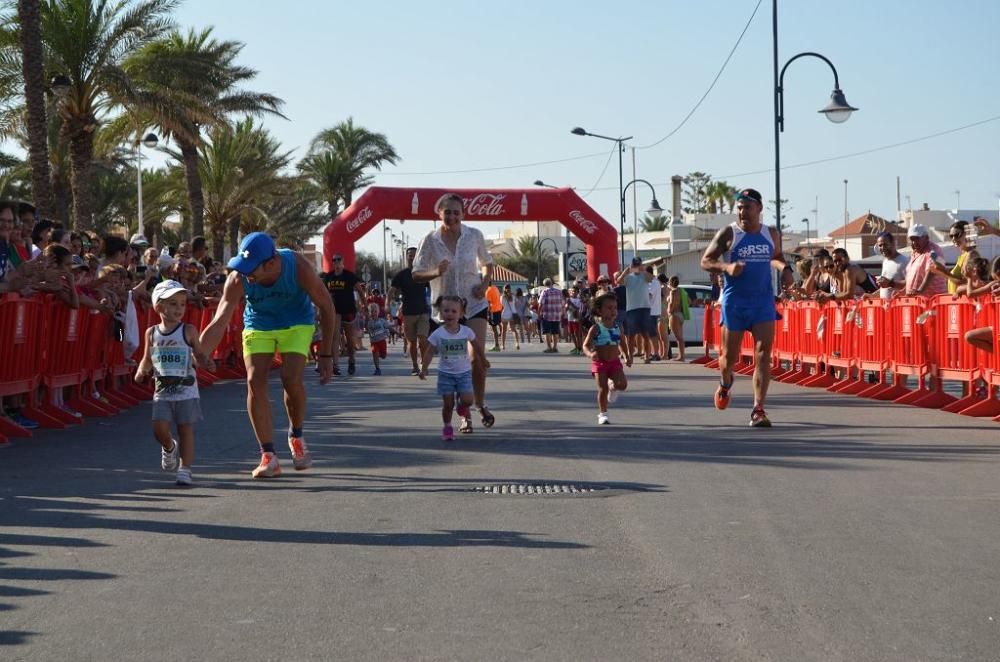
(654, 211)
(578, 131)
(149, 141)
(837, 111)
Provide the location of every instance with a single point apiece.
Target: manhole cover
(541, 489)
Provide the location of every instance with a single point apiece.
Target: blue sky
(464, 85)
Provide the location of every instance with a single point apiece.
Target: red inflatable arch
(563, 205)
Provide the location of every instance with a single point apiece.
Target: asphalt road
(850, 531)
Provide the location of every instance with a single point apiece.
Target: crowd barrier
(49, 348)
(903, 351)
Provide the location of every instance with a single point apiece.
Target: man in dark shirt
(342, 284)
(416, 315)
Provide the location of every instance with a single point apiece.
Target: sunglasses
(338, 259)
(956, 236)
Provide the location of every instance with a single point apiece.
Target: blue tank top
(754, 285)
(606, 336)
(281, 305)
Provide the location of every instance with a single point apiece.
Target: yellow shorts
(293, 340)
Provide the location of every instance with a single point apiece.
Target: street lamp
(149, 141)
(654, 212)
(806, 221)
(541, 256)
(578, 131)
(837, 111)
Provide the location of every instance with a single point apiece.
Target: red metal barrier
(840, 343)
(784, 342)
(913, 327)
(708, 331)
(875, 341)
(712, 311)
(21, 340)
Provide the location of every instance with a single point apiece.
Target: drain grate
(540, 489)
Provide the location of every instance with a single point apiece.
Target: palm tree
(293, 214)
(32, 68)
(87, 41)
(239, 169)
(650, 224)
(358, 150)
(328, 175)
(197, 68)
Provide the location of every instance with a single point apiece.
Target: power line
(714, 81)
(601, 176)
(843, 156)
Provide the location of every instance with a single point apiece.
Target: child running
(602, 346)
(170, 346)
(454, 343)
(378, 330)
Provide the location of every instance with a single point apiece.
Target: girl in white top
(507, 316)
(172, 351)
(455, 344)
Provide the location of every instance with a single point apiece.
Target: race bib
(170, 361)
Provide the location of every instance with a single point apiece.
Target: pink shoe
(448, 433)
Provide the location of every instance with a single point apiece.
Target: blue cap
(256, 248)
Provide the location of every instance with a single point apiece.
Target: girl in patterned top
(604, 347)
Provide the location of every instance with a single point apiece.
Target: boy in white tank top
(172, 352)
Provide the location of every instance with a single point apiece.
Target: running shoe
(351, 367)
(378, 371)
(336, 371)
(168, 459)
(184, 476)
(602, 419)
(268, 467)
(71, 412)
(301, 457)
(448, 433)
(612, 392)
(758, 419)
(722, 396)
(414, 372)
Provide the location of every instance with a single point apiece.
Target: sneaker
(71, 412)
(301, 457)
(495, 348)
(758, 419)
(268, 467)
(184, 476)
(24, 421)
(612, 392)
(336, 371)
(168, 459)
(378, 371)
(602, 419)
(722, 396)
(351, 367)
(448, 433)
(414, 372)
(655, 357)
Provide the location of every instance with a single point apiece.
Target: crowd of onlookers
(87, 270)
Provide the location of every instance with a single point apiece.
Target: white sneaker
(301, 457)
(168, 459)
(602, 419)
(184, 476)
(612, 392)
(268, 467)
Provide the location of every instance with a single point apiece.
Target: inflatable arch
(563, 205)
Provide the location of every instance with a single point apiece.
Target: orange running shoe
(301, 457)
(268, 467)
(722, 396)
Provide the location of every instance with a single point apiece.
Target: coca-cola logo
(582, 221)
(359, 220)
(485, 204)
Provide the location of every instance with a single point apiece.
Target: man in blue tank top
(280, 287)
(744, 253)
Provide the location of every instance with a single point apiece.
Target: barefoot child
(454, 343)
(170, 347)
(378, 330)
(602, 346)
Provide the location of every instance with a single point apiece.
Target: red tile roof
(868, 224)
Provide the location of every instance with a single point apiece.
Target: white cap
(918, 230)
(167, 289)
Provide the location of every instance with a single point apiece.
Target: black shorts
(494, 318)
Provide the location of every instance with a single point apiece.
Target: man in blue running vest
(281, 287)
(744, 253)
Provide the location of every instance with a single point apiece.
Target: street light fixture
(837, 111)
(806, 221)
(655, 211)
(150, 141)
(579, 131)
(60, 85)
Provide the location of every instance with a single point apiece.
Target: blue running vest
(281, 305)
(754, 285)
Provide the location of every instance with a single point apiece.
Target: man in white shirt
(893, 265)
